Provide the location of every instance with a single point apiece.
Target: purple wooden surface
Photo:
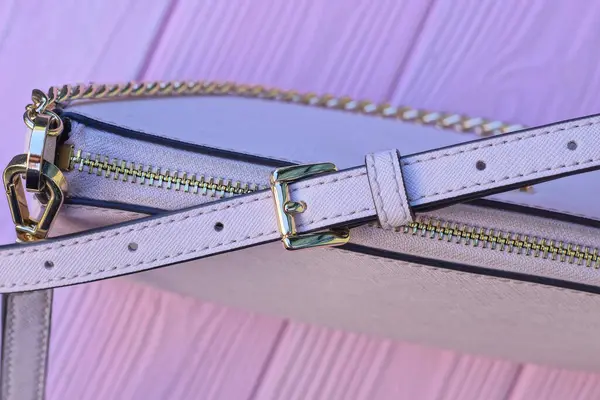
(519, 61)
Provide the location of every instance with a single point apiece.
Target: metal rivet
(572, 145)
(219, 226)
(480, 165)
(132, 246)
(48, 264)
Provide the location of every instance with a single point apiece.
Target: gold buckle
(286, 208)
(54, 187)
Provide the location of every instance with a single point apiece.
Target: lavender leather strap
(25, 342)
(388, 188)
(434, 178)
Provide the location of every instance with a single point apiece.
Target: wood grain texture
(343, 46)
(555, 384)
(530, 64)
(318, 363)
(122, 340)
(522, 62)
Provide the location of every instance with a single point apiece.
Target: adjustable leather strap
(25, 342)
(344, 198)
(387, 187)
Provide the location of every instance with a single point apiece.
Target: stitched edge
(176, 219)
(355, 174)
(114, 123)
(9, 343)
(520, 175)
(541, 206)
(379, 204)
(168, 256)
(43, 344)
(404, 194)
(308, 223)
(101, 210)
(397, 178)
(472, 275)
(135, 228)
(500, 142)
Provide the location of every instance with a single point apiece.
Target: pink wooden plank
(416, 372)
(121, 340)
(555, 384)
(317, 363)
(528, 64)
(349, 47)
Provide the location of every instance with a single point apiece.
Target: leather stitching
(136, 229)
(331, 180)
(397, 179)
(43, 344)
(101, 210)
(162, 258)
(500, 143)
(308, 223)
(383, 218)
(540, 206)
(40, 248)
(472, 275)
(41, 347)
(114, 123)
(520, 175)
(172, 220)
(10, 345)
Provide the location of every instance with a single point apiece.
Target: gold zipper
(498, 240)
(70, 159)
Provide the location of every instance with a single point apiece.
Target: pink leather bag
(403, 229)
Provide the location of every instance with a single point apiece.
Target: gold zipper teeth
(176, 180)
(503, 241)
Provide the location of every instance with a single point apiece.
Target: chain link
(47, 102)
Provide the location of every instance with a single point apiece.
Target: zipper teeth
(503, 241)
(141, 174)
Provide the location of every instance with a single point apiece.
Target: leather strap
(25, 342)
(387, 189)
(435, 178)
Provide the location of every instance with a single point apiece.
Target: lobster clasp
(53, 188)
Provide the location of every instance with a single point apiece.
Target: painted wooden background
(527, 62)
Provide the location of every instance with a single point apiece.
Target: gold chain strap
(46, 102)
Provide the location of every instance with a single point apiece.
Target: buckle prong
(286, 208)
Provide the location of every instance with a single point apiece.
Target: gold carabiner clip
(54, 187)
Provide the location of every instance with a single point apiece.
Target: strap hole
(572, 145)
(132, 246)
(48, 264)
(219, 226)
(480, 165)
